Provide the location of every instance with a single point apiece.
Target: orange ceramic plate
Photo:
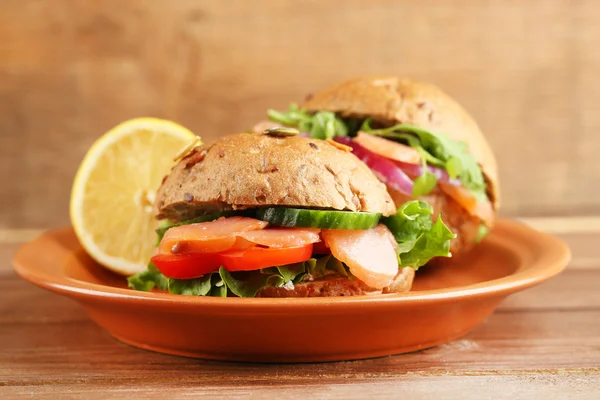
(446, 303)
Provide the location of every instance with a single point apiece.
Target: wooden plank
(71, 70)
(522, 336)
(508, 343)
(558, 385)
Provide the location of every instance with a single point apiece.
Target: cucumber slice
(203, 218)
(324, 219)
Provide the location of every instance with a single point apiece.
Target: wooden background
(70, 70)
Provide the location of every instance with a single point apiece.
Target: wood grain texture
(543, 342)
(70, 70)
(49, 346)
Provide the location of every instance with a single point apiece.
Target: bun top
(392, 100)
(255, 170)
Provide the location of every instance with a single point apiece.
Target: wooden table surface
(542, 343)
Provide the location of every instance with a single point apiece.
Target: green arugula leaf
(454, 167)
(320, 125)
(337, 267)
(319, 267)
(192, 287)
(251, 285)
(440, 150)
(219, 289)
(293, 116)
(291, 271)
(148, 279)
(482, 232)
(424, 184)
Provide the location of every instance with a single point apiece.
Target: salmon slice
(481, 209)
(282, 237)
(388, 149)
(369, 254)
(207, 237)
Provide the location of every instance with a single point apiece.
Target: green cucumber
(324, 219)
(165, 226)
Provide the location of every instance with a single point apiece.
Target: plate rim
(543, 267)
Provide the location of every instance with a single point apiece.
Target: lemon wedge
(113, 193)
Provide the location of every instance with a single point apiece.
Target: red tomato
(321, 248)
(260, 257)
(187, 265)
(194, 265)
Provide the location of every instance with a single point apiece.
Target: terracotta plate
(446, 303)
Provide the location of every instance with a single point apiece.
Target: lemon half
(115, 187)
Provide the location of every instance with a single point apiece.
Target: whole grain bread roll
(254, 170)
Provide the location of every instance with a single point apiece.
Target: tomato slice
(194, 265)
(388, 149)
(207, 237)
(186, 266)
(256, 257)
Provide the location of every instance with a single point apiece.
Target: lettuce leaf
(148, 279)
(438, 149)
(241, 284)
(482, 232)
(411, 219)
(192, 287)
(419, 238)
(320, 125)
(432, 243)
(424, 184)
(251, 285)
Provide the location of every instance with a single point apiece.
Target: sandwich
(417, 140)
(274, 214)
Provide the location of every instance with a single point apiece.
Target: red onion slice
(386, 170)
(417, 170)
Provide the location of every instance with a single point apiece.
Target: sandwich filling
(410, 160)
(244, 253)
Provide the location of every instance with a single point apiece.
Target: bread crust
(391, 100)
(253, 170)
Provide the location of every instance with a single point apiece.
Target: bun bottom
(340, 286)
